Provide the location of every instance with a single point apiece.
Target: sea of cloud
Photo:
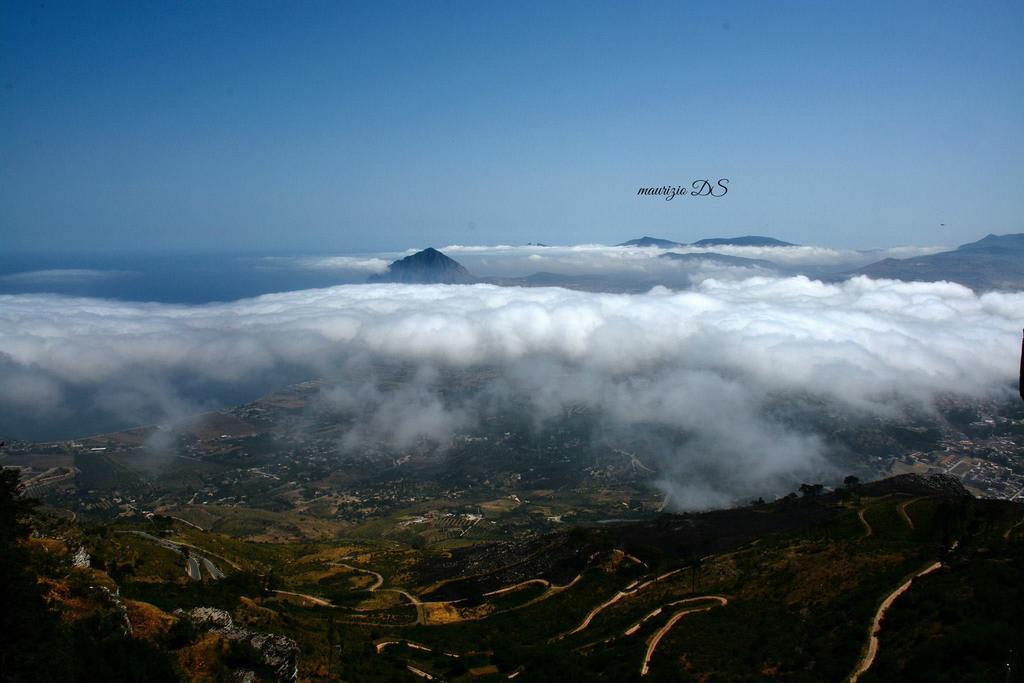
(708, 362)
(590, 258)
(579, 259)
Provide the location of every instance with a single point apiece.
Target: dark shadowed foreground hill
(993, 262)
(427, 267)
(792, 590)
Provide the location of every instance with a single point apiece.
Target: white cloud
(788, 331)
(365, 264)
(60, 276)
(707, 361)
(506, 260)
(516, 260)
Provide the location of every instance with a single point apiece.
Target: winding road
(379, 579)
(416, 602)
(1006, 534)
(868, 531)
(212, 569)
(381, 646)
(629, 591)
(192, 567)
(660, 633)
(204, 551)
(312, 598)
(192, 562)
(868, 658)
(517, 586)
(902, 509)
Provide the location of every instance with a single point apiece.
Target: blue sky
(298, 127)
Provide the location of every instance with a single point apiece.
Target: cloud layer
(509, 260)
(581, 259)
(707, 362)
(59, 276)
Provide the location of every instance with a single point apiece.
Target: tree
(851, 481)
(29, 649)
(811, 490)
(271, 582)
(14, 510)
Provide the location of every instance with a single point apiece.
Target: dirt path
(551, 591)
(635, 560)
(185, 521)
(868, 531)
(421, 615)
(416, 602)
(630, 590)
(636, 626)
(379, 580)
(1006, 534)
(419, 672)
(902, 509)
(650, 615)
(381, 646)
(664, 576)
(594, 612)
(436, 585)
(312, 598)
(660, 633)
(517, 586)
(868, 658)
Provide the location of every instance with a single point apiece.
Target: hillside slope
(993, 262)
(779, 591)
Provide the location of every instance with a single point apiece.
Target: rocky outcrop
(278, 652)
(426, 267)
(80, 558)
(113, 596)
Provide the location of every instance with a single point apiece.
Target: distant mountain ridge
(993, 262)
(744, 241)
(991, 243)
(651, 242)
(427, 267)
